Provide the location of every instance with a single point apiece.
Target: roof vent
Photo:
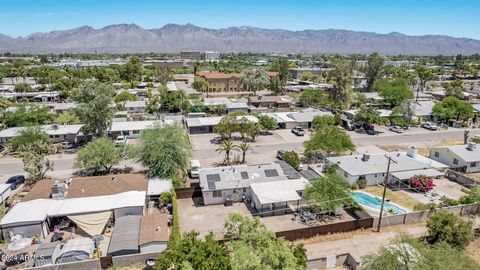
(412, 152)
(114, 178)
(365, 157)
(471, 146)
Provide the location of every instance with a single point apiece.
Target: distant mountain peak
(129, 38)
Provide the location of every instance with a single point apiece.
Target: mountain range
(131, 38)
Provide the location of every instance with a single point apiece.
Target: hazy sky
(459, 18)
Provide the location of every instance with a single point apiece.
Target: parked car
(429, 126)
(195, 168)
(397, 129)
(280, 154)
(15, 181)
(67, 145)
(121, 140)
(298, 131)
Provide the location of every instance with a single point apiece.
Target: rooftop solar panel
(244, 175)
(213, 177)
(271, 173)
(211, 185)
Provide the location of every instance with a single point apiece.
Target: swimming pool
(375, 203)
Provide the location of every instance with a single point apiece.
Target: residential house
(58, 133)
(199, 125)
(132, 129)
(373, 167)
(465, 158)
(270, 101)
(135, 106)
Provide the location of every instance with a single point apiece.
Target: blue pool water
(375, 203)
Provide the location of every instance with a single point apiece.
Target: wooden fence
(191, 192)
(362, 221)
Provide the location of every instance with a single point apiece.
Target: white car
(67, 145)
(397, 129)
(429, 126)
(195, 168)
(121, 140)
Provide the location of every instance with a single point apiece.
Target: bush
(446, 227)
(166, 197)
(473, 196)
(291, 157)
(421, 183)
(354, 186)
(362, 183)
(423, 206)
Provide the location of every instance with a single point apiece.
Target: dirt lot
(285, 222)
(205, 219)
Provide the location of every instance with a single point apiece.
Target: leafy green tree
(27, 115)
(132, 71)
(164, 150)
(375, 70)
(23, 87)
(424, 74)
(369, 115)
(403, 114)
(244, 148)
(191, 253)
(163, 74)
(33, 144)
(275, 85)
(227, 147)
(324, 121)
(99, 155)
(281, 66)
(125, 96)
(94, 100)
(313, 98)
(255, 80)
(226, 126)
(267, 123)
(291, 157)
(328, 141)
(328, 193)
(451, 229)
(453, 108)
(172, 101)
(341, 94)
(454, 89)
(219, 109)
(394, 92)
(308, 76)
(253, 131)
(408, 253)
(472, 196)
(67, 118)
(200, 84)
(252, 246)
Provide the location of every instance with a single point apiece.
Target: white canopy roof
(38, 210)
(279, 191)
(409, 174)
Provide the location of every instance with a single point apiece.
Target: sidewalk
(360, 246)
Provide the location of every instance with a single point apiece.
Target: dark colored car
(16, 181)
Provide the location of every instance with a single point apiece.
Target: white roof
(171, 86)
(476, 107)
(213, 121)
(409, 174)
(279, 191)
(237, 105)
(38, 210)
(49, 129)
(431, 162)
(462, 152)
(135, 125)
(377, 163)
(382, 112)
(422, 108)
(157, 186)
(135, 104)
(307, 115)
(4, 187)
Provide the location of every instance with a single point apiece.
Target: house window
(136, 131)
(217, 193)
(437, 154)
(345, 174)
(473, 164)
(455, 161)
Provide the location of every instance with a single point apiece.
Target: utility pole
(384, 193)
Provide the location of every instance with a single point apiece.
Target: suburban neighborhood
(201, 157)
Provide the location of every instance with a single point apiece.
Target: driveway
(205, 219)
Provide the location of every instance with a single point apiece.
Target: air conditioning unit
(58, 191)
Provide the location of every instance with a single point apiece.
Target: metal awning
(409, 174)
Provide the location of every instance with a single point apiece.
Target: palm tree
(255, 80)
(227, 147)
(243, 147)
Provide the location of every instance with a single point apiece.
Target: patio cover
(408, 174)
(93, 223)
(279, 191)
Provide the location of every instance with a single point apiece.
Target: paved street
(265, 147)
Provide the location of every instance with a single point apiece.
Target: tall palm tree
(227, 147)
(243, 147)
